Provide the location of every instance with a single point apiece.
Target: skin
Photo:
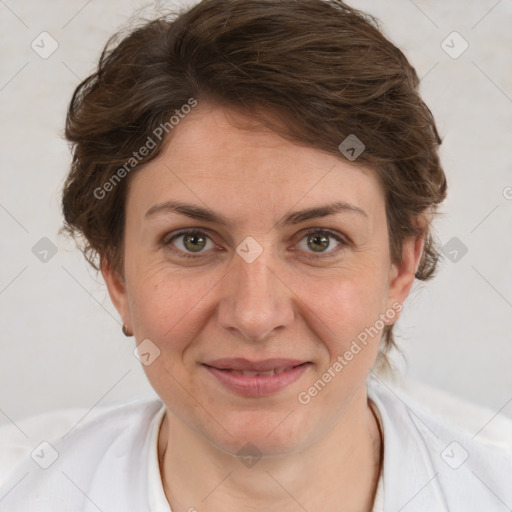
(324, 455)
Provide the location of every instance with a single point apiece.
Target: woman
(256, 181)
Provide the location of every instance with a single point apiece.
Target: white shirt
(109, 463)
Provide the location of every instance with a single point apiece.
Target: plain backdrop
(61, 340)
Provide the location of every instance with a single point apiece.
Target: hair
(324, 69)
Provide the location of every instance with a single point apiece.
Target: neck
(339, 472)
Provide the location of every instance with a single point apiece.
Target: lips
(252, 373)
(256, 378)
(247, 367)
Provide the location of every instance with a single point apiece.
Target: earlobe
(117, 291)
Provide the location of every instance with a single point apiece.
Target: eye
(189, 242)
(318, 241)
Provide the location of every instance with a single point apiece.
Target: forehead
(225, 160)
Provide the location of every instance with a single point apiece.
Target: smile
(252, 373)
(256, 379)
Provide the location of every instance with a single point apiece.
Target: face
(252, 290)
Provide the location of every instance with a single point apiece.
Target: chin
(264, 432)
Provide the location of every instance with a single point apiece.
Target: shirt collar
(409, 479)
(156, 495)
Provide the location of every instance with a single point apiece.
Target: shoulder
(65, 450)
(463, 462)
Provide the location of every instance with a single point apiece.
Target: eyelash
(167, 242)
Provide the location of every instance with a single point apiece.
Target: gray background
(61, 341)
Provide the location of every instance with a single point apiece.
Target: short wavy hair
(324, 68)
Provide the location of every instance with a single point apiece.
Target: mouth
(252, 373)
(261, 378)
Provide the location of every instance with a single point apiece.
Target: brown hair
(323, 67)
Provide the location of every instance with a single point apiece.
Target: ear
(402, 275)
(117, 291)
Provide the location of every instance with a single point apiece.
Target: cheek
(344, 304)
(167, 310)
(170, 306)
(346, 320)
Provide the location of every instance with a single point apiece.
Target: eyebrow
(205, 214)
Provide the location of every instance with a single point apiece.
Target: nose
(255, 299)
